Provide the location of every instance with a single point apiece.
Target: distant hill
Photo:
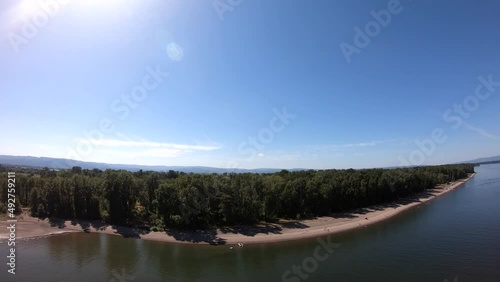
(484, 160)
(56, 163)
(59, 163)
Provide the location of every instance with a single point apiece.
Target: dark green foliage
(76, 169)
(121, 194)
(199, 200)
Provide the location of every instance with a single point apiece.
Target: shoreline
(28, 227)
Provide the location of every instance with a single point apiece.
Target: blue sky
(251, 84)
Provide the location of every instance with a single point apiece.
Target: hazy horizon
(68, 165)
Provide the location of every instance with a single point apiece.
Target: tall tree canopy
(199, 200)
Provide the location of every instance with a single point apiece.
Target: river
(455, 237)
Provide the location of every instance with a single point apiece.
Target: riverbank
(29, 227)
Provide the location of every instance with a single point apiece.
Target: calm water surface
(453, 238)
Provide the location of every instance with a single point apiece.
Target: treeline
(160, 199)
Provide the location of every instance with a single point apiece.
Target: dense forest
(176, 199)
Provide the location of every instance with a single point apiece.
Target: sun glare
(28, 7)
(99, 4)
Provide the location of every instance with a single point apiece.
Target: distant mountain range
(484, 160)
(56, 163)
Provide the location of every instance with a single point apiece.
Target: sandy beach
(29, 227)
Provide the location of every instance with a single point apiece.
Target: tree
(76, 169)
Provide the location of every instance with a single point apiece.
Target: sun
(17, 13)
(28, 8)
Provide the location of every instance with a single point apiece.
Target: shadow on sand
(129, 232)
(56, 222)
(99, 225)
(197, 236)
(249, 230)
(265, 228)
(393, 204)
